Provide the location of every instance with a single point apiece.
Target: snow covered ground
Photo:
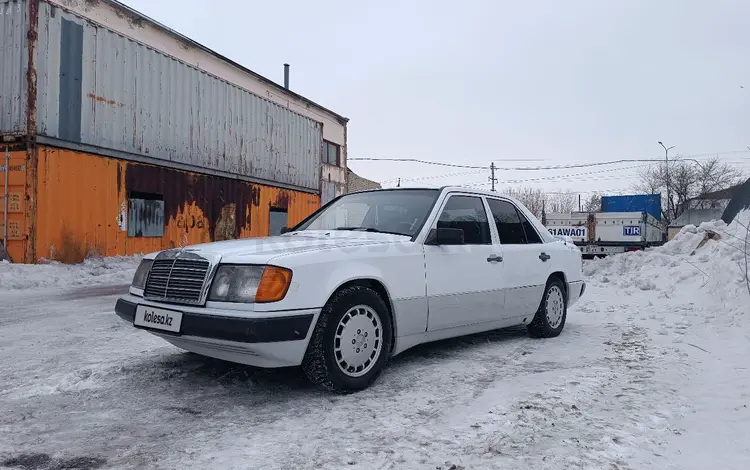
(650, 372)
(117, 270)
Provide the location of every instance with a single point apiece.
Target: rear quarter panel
(566, 258)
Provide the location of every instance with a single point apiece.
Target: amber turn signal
(274, 283)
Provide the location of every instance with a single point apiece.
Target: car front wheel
(351, 342)
(549, 320)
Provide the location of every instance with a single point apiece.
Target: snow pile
(52, 274)
(708, 262)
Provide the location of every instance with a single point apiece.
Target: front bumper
(269, 339)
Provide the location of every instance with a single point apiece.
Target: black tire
(319, 363)
(540, 326)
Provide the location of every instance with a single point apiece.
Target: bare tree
(593, 203)
(566, 201)
(532, 198)
(714, 175)
(687, 179)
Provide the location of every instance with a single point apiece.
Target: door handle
(544, 257)
(494, 258)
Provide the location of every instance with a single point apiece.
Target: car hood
(261, 250)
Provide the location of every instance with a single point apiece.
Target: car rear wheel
(351, 342)
(549, 320)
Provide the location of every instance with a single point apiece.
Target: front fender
(354, 272)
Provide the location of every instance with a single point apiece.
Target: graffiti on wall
(188, 222)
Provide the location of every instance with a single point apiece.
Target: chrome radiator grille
(176, 280)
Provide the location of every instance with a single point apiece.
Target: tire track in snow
(578, 423)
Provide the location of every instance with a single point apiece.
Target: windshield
(400, 211)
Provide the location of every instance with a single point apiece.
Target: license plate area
(602, 250)
(158, 318)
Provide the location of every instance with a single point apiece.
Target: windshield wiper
(372, 230)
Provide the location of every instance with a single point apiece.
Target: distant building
(355, 183)
(703, 208)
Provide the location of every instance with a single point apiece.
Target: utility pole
(492, 175)
(580, 208)
(669, 196)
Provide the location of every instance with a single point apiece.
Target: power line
(554, 167)
(432, 177)
(584, 165)
(414, 160)
(547, 178)
(492, 168)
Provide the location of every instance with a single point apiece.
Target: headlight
(141, 274)
(248, 284)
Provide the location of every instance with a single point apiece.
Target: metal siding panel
(650, 203)
(16, 206)
(327, 191)
(48, 90)
(139, 101)
(13, 66)
(71, 64)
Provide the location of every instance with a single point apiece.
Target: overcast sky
(546, 82)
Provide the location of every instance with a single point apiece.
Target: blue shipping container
(650, 203)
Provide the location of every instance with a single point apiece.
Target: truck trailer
(625, 223)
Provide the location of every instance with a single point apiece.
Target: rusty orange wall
(17, 230)
(81, 197)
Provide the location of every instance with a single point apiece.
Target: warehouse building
(355, 183)
(122, 136)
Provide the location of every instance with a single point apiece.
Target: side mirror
(445, 236)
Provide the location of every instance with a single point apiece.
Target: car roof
(481, 192)
(542, 231)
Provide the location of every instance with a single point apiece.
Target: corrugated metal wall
(13, 65)
(84, 204)
(17, 229)
(327, 192)
(99, 88)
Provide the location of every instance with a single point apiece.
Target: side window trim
(443, 203)
(494, 234)
(447, 199)
(521, 218)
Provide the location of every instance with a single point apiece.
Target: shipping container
(115, 93)
(95, 89)
(90, 204)
(13, 66)
(649, 203)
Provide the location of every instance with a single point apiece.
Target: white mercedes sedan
(364, 278)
